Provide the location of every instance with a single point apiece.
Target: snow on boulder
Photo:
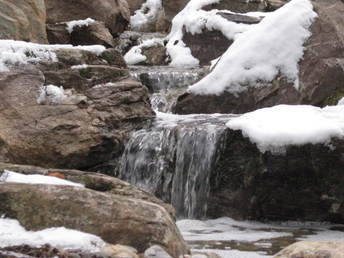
(13, 177)
(146, 14)
(20, 52)
(275, 128)
(79, 23)
(272, 47)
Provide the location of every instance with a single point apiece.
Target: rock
(114, 218)
(114, 13)
(94, 33)
(58, 34)
(272, 5)
(135, 5)
(238, 6)
(23, 20)
(92, 180)
(312, 250)
(320, 72)
(87, 129)
(114, 58)
(119, 251)
(173, 7)
(155, 55)
(304, 183)
(207, 46)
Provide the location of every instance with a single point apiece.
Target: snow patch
(13, 177)
(51, 95)
(19, 52)
(272, 47)
(275, 128)
(148, 12)
(341, 102)
(78, 23)
(12, 234)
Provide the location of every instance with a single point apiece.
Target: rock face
(87, 128)
(115, 13)
(115, 218)
(312, 250)
(321, 73)
(304, 183)
(23, 20)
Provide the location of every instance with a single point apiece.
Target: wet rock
(304, 183)
(312, 250)
(87, 129)
(321, 73)
(115, 14)
(23, 20)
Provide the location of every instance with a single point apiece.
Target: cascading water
(173, 159)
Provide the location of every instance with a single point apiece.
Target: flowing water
(173, 159)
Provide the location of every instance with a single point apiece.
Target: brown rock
(87, 129)
(94, 181)
(116, 219)
(93, 34)
(23, 20)
(312, 250)
(155, 56)
(115, 13)
(135, 5)
(238, 6)
(58, 34)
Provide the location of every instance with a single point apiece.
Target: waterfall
(173, 159)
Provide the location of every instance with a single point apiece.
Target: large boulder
(312, 250)
(320, 73)
(23, 20)
(305, 182)
(86, 127)
(109, 214)
(115, 13)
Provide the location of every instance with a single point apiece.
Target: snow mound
(51, 95)
(148, 12)
(272, 129)
(272, 47)
(78, 23)
(13, 177)
(12, 234)
(14, 52)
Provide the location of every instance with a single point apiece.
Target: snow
(272, 129)
(193, 20)
(272, 47)
(148, 12)
(13, 177)
(51, 95)
(134, 55)
(82, 66)
(14, 52)
(78, 23)
(341, 102)
(12, 234)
